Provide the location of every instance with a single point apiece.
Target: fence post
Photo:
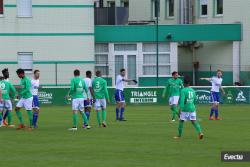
(56, 73)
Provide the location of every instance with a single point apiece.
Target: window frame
(216, 9)
(107, 65)
(19, 63)
(160, 64)
(200, 9)
(24, 16)
(153, 11)
(167, 10)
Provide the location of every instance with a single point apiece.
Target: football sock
(98, 115)
(197, 127)
(104, 115)
(117, 113)
(85, 118)
(30, 115)
(10, 118)
(180, 128)
(174, 111)
(216, 113)
(75, 119)
(35, 117)
(5, 115)
(122, 113)
(20, 117)
(211, 112)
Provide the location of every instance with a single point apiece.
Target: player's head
(5, 73)
(175, 74)
(20, 73)
(123, 72)
(186, 81)
(88, 74)
(219, 73)
(98, 73)
(36, 74)
(76, 73)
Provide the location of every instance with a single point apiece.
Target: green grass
(145, 140)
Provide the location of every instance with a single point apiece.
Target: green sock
(180, 128)
(197, 127)
(10, 118)
(98, 115)
(174, 111)
(75, 119)
(20, 117)
(85, 118)
(30, 115)
(104, 115)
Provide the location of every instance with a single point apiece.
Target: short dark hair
(121, 70)
(88, 73)
(186, 80)
(76, 72)
(36, 71)
(5, 70)
(175, 72)
(98, 73)
(20, 71)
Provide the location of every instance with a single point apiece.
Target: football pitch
(145, 140)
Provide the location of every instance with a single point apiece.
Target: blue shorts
(215, 97)
(35, 103)
(119, 96)
(88, 103)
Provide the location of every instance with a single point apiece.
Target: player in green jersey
(77, 87)
(7, 89)
(188, 109)
(25, 100)
(173, 89)
(100, 89)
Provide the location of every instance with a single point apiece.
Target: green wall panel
(147, 33)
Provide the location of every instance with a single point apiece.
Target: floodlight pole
(157, 42)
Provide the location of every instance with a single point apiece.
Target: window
(111, 4)
(219, 7)
(125, 3)
(1, 8)
(96, 4)
(25, 61)
(101, 58)
(24, 8)
(149, 59)
(155, 8)
(203, 8)
(169, 8)
(125, 47)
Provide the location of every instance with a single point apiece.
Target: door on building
(127, 61)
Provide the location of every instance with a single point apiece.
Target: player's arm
(130, 80)
(13, 91)
(206, 79)
(72, 88)
(165, 91)
(86, 89)
(223, 91)
(106, 91)
(91, 91)
(1, 98)
(182, 100)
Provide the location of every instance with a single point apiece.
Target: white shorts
(26, 103)
(174, 100)
(188, 116)
(100, 104)
(6, 104)
(78, 104)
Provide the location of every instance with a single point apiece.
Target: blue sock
(117, 113)
(35, 118)
(211, 112)
(122, 111)
(216, 113)
(87, 114)
(5, 115)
